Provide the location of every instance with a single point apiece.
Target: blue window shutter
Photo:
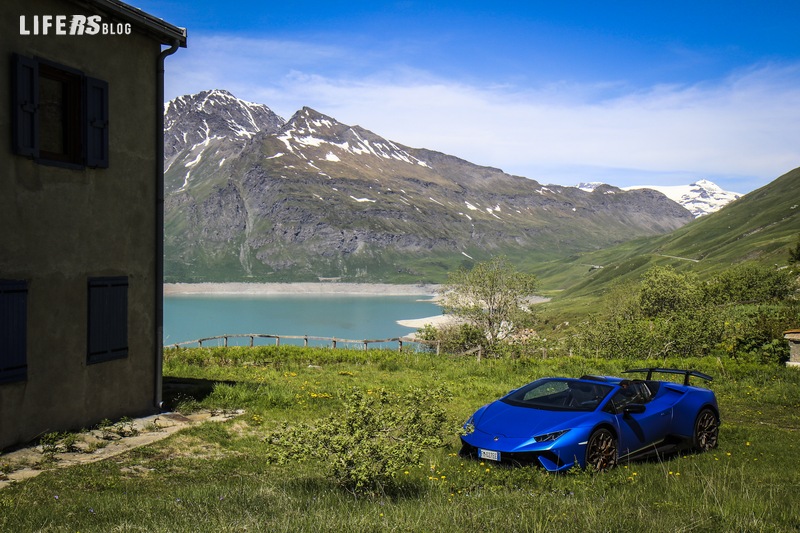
(13, 330)
(25, 106)
(96, 141)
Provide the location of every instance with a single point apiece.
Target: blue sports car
(594, 421)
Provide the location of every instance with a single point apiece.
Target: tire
(601, 450)
(706, 431)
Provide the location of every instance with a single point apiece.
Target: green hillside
(761, 227)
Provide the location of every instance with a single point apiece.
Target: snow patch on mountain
(589, 186)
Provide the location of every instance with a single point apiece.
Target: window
(13, 330)
(60, 116)
(558, 395)
(636, 391)
(108, 319)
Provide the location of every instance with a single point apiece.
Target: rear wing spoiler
(686, 373)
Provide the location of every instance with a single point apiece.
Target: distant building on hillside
(81, 212)
(793, 336)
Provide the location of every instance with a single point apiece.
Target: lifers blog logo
(70, 25)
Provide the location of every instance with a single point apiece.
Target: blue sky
(642, 92)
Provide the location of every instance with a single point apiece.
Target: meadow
(224, 476)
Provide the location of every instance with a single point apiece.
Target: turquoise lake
(191, 317)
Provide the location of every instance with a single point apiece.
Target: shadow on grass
(176, 390)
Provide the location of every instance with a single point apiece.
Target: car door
(639, 425)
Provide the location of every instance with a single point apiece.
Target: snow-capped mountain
(700, 198)
(250, 196)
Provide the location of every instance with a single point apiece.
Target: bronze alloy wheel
(601, 450)
(706, 430)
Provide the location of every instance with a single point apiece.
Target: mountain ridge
(311, 197)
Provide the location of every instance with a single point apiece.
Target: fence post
(305, 341)
(200, 343)
(226, 341)
(399, 345)
(277, 341)
(334, 343)
(251, 341)
(438, 347)
(365, 345)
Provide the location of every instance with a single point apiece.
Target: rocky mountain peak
(312, 124)
(192, 121)
(309, 129)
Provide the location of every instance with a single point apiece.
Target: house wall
(61, 226)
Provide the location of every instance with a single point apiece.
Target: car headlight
(469, 426)
(549, 437)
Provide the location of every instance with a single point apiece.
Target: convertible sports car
(594, 421)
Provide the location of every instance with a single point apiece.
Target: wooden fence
(305, 338)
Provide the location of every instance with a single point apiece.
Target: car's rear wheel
(601, 450)
(706, 430)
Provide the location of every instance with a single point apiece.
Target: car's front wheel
(706, 430)
(601, 450)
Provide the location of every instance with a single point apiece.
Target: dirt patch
(97, 444)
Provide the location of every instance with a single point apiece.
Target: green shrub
(741, 312)
(755, 332)
(453, 338)
(376, 435)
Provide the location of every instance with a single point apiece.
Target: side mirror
(633, 409)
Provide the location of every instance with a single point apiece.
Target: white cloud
(746, 126)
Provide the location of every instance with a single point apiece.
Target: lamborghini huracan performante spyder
(594, 421)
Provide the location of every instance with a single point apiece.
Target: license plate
(488, 454)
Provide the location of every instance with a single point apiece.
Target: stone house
(81, 213)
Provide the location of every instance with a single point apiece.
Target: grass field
(221, 477)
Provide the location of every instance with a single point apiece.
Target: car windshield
(559, 395)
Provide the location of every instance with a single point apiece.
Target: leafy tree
(664, 291)
(750, 283)
(625, 330)
(492, 296)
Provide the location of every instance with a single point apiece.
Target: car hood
(500, 418)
